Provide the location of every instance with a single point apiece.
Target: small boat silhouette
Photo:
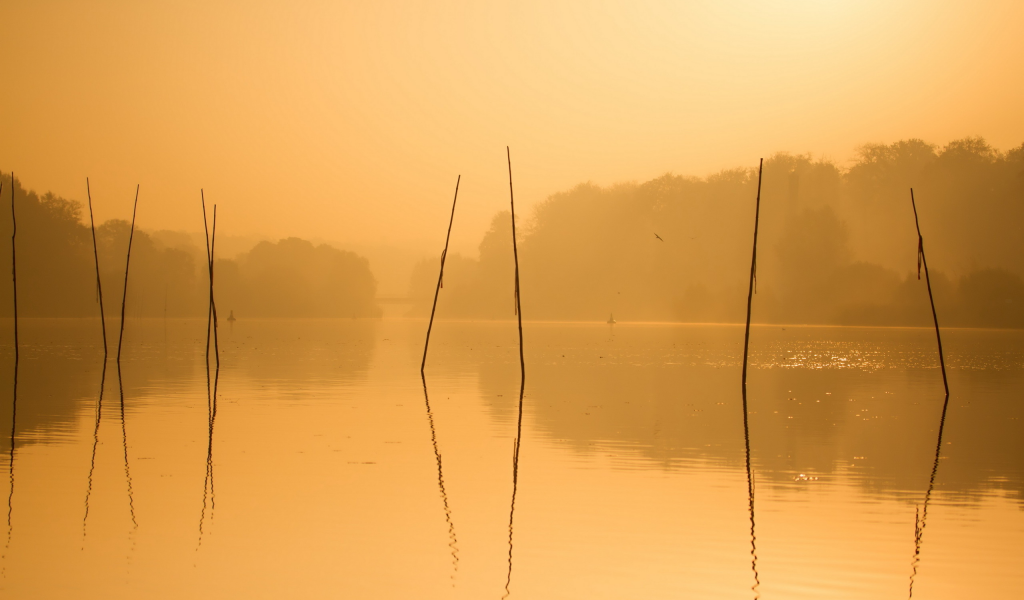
(611, 319)
(231, 317)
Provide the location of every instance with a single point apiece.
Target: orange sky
(351, 122)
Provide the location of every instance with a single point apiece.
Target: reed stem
(440, 277)
(127, 262)
(753, 276)
(515, 255)
(213, 300)
(14, 266)
(96, 255)
(522, 383)
(746, 418)
(931, 299)
(211, 311)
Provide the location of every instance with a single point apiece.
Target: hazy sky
(351, 121)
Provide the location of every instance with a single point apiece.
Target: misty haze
(512, 300)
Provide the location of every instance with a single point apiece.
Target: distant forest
(836, 245)
(169, 273)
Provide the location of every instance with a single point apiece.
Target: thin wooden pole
(921, 518)
(14, 398)
(209, 267)
(211, 312)
(753, 276)
(922, 261)
(440, 277)
(96, 255)
(522, 382)
(746, 419)
(14, 267)
(213, 300)
(128, 259)
(515, 255)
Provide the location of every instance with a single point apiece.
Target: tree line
(838, 245)
(169, 275)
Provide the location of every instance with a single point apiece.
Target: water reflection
(10, 460)
(294, 353)
(95, 444)
(325, 483)
(453, 542)
(659, 391)
(55, 372)
(124, 444)
(211, 408)
(515, 479)
(750, 493)
(921, 517)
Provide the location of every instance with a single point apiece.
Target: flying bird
(659, 238)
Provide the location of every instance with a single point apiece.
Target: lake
(325, 467)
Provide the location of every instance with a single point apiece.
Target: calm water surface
(323, 471)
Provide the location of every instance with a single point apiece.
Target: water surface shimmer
(321, 469)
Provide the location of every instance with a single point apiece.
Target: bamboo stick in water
(746, 419)
(14, 267)
(922, 517)
(753, 277)
(127, 262)
(515, 255)
(522, 383)
(211, 313)
(213, 300)
(921, 261)
(96, 255)
(440, 276)
(14, 399)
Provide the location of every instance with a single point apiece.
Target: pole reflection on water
(750, 496)
(124, 445)
(453, 540)
(326, 489)
(10, 468)
(211, 407)
(95, 443)
(921, 517)
(14, 400)
(515, 483)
